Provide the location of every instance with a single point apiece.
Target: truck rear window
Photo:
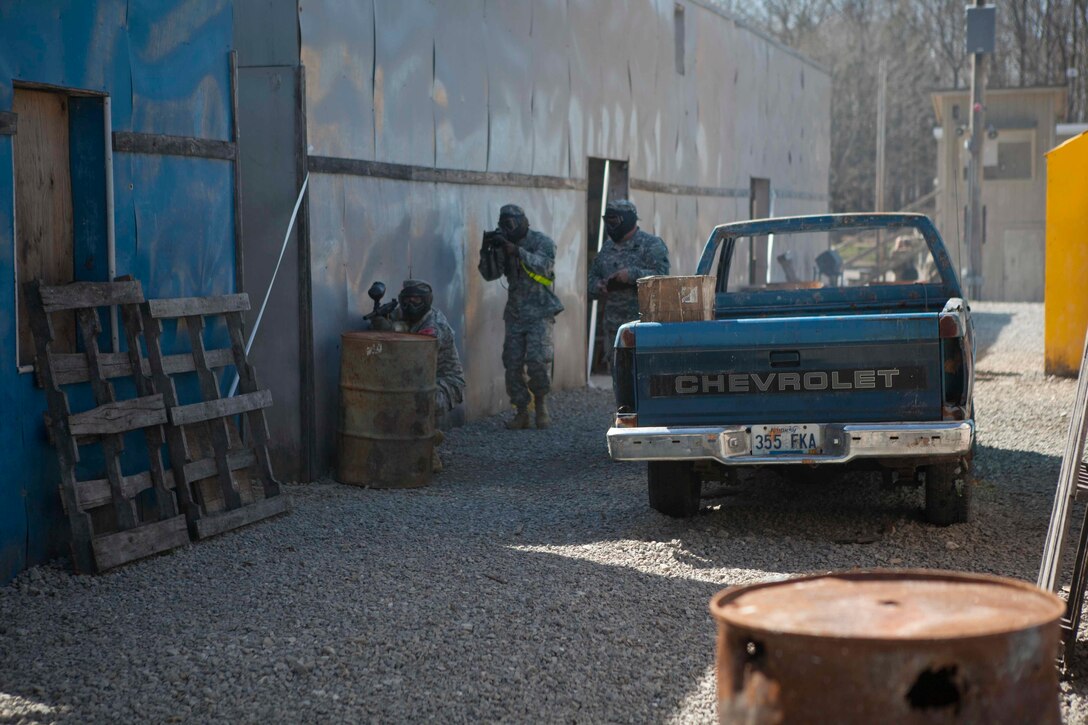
(812, 260)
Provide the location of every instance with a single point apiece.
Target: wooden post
(975, 229)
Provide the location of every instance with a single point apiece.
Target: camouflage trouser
(527, 349)
(618, 309)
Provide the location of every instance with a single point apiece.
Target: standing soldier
(527, 258)
(628, 254)
(416, 314)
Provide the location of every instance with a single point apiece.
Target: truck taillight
(950, 326)
(627, 336)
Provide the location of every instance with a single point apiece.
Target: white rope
(260, 314)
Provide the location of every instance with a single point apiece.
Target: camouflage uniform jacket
(643, 254)
(527, 299)
(450, 376)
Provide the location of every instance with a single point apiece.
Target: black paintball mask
(415, 299)
(513, 223)
(620, 218)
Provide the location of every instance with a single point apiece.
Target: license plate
(770, 440)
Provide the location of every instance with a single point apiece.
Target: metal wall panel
(510, 85)
(460, 86)
(404, 82)
(338, 53)
(267, 100)
(171, 94)
(551, 89)
(266, 32)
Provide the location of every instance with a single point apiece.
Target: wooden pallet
(112, 520)
(216, 501)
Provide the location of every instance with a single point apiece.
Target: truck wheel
(948, 494)
(675, 488)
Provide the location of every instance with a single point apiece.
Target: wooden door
(43, 206)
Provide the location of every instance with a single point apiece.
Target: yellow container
(1066, 255)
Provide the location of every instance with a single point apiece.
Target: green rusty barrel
(386, 430)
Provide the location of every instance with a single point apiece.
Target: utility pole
(881, 142)
(881, 130)
(980, 41)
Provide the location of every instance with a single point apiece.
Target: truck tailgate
(817, 369)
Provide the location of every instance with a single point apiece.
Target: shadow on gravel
(988, 326)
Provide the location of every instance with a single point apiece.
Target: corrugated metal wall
(165, 67)
(495, 89)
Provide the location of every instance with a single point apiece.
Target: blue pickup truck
(838, 341)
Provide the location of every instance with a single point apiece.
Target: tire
(675, 489)
(948, 494)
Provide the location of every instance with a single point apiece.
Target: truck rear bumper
(842, 443)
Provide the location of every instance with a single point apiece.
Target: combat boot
(520, 421)
(543, 420)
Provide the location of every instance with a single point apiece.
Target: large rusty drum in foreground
(386, 431)
(898, 646)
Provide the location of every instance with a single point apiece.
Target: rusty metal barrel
(386, 429)
(903, 646)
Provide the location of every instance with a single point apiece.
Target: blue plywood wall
(164, 65)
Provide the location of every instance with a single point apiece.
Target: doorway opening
(60, 200)
(615, 173)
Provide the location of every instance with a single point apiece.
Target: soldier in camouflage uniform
(527, 258)
(629, 253)
(416, 314)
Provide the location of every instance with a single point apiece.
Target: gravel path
(531, 581)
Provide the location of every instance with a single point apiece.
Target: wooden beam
(119, 417)
(658, 187)
(186, 306)
(163, 145)
(91, 294)
(220, 408)
(227, 520)
(306, 375)
(405, 172)
(115, 549)
(239, 251)
(9, 123)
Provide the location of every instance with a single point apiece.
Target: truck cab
(837, 341)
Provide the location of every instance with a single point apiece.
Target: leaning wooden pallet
(112, 521)
(229, 459)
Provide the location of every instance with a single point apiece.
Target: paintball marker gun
(495, 239)
(376, 292)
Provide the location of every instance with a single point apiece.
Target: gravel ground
(530, 581)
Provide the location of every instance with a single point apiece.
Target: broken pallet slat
(119, 417)
(96, 492)
(88, 295)
(119, 548)
(207, 467)
(189, 306)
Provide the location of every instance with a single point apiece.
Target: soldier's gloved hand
(623, 276)
(510, 248)
(382, 324)
(601, 288)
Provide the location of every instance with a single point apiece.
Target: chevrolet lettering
(783, 382)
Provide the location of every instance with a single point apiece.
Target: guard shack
(1066, 255)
